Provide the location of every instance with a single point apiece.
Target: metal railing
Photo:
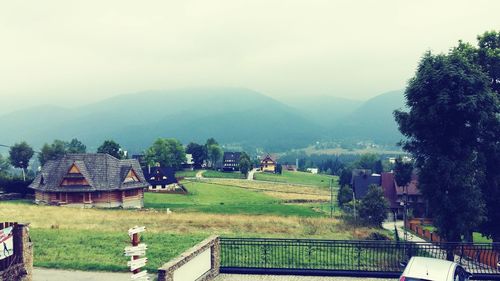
(349, 258)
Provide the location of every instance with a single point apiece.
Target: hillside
(230, 115)
(373, 120)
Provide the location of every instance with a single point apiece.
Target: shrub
(373, 207)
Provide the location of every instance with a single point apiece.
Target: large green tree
(450, 103)
(53, 151)
(214, 151)
(245, 163)
(20, 155)
(198, 152)
(112, 148)
(374, 206)
(75, 146)
(167, 153)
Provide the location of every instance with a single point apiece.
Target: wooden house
(91, 180)
(162, 179)
(231, 161)
(268, 164)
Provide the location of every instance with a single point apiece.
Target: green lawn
(479, 238)
(320, 180)
(216, 198)
(103, 251)
(186, 174)
(225, 175)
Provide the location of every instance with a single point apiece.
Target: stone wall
(166, 272)
(22, 270)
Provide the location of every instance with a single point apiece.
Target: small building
(90, 180)
(312, 170)
(268, 164)
(396, 195)
(162, 179)
(231, 161)
(389, 186)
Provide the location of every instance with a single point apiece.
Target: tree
(367, 161)
(402, 172)
(198, 152)
(112, 148)
(4, 166)
(166, 152)
(378, 168)
(53, 151)
(20, 155)
(245, 163)
(345, 176)
(214, 153)
(76, 146)
(450, 103)
(278, 169)
(373, 207)
(344, 195)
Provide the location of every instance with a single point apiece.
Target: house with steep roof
(90, 180)
(361, 183)
(231, 161)
(397, 194)
(163, 180)
(268, 164)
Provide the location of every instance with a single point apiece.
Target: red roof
(389, 187)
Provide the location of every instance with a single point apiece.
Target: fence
(347, 258)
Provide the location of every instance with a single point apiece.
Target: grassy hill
(298, 178)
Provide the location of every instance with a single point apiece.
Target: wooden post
(135, 252)
(135, 242)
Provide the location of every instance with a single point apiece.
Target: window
(87, 197)
(133, 192)
(74, 181)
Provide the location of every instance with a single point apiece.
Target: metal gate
(349, 258)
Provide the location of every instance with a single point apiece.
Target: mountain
(323, 110)
(373, 120)
(231, 115)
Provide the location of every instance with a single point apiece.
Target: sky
(68, 53)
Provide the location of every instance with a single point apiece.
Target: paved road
(389, 225)
(231, 277)
(250, 174)
(199, 175)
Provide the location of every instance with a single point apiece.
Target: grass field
(224, 175)
(210, 197)
(319, 180)
(93, 239)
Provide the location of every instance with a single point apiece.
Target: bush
(373, 207)
(15, 185)
(344, 195)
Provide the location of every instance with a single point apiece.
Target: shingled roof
(102, 172)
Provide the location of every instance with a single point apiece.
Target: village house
(90, 180)
(162, 179)
(231, 161)
(361, 181)
(397, 194)
(268, 164)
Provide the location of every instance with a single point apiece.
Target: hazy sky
(71, 52)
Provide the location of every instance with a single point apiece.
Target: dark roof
(362, 182)
(102, 172)
(268, 157)
(389, 187)
(359, 172)
(235, 156)
(157, 173)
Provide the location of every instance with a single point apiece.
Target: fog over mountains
(231, 115)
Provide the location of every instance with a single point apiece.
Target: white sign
(141, 276)
(139, 250)
(136, 264)
(136, 229)
(6, 243)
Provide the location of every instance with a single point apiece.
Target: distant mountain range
(231, 115)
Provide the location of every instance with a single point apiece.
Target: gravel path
(234, 277)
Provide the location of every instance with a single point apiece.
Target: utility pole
(331, 198)
(405, 214)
